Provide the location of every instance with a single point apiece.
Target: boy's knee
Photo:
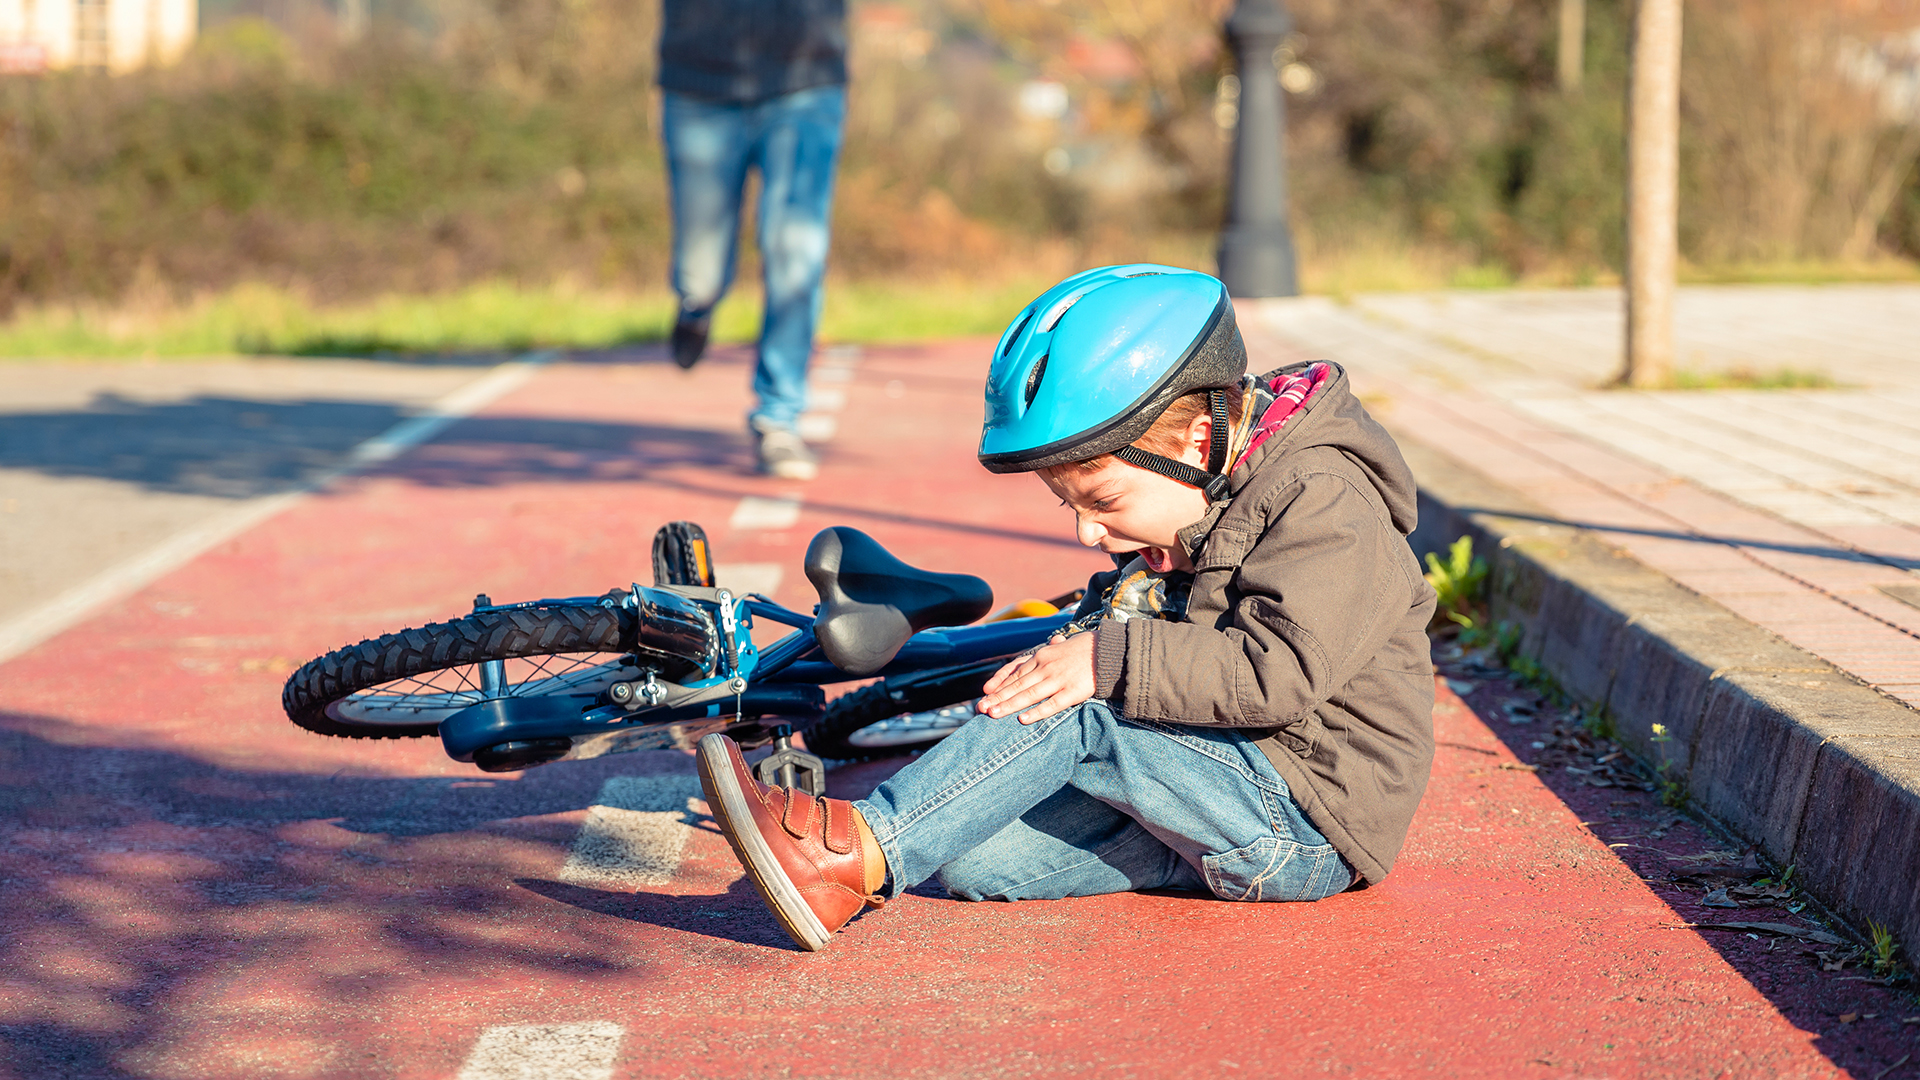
(968, 878)
(983, 876)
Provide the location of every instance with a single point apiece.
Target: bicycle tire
(314, 694)
(831, 735)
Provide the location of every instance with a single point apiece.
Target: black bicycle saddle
(871, 602)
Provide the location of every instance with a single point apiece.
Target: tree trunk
(1880, 195)
(1653, 195)
(1572, 60)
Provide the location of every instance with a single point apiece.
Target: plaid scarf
(1290, 395)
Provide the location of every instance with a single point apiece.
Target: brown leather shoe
(802, 853)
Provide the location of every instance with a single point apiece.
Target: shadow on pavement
(1682, 860)
(145, 894)
(226, 447)
(241, 448)
(398, 351)
(1820, 551)
(738, 915)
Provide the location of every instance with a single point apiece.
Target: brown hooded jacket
(1306, 626)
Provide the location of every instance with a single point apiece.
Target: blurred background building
(102, 35)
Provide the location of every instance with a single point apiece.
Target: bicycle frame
(744, 684)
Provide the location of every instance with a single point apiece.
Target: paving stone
(1726, 646)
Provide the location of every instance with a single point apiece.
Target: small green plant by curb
(1673, 789)
(1885, 951)
(1505, 638)
(1597, 721)
(1458, 581)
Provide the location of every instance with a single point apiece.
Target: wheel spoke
(431, 696)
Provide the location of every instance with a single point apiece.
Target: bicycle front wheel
(402, 685)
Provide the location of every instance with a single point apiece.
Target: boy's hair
(1168, 435)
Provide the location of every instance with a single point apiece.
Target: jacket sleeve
(1317, 597)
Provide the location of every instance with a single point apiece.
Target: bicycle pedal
(681, 555)
(792, 768)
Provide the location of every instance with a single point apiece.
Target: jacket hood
(1333, 417)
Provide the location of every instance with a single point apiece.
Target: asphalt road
(192, 887)
(112, 472)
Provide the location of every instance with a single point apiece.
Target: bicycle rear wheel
(850, 729)
(402, 685)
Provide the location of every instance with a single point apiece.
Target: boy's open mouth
(1159, 560)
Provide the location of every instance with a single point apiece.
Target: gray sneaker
(782, 454)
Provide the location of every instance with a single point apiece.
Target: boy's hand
(1057, 675)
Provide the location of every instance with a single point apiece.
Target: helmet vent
(1060, 311)
(1033, 379)
(1146, 273)
(1015, 335)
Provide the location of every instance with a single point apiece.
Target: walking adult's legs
(796, 155)
(708, 147)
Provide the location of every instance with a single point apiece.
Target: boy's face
(1120, 508)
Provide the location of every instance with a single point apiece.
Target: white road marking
(635, 832)
(755, 512)
(545, 1052)
(31, 627)
(463, 402)
(816, 427)
(746, 577)
(817, 424)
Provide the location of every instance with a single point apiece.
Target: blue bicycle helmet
(1089, 366)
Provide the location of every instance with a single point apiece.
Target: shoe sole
(729, 805)
(792, 470)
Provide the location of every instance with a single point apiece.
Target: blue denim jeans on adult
(792, 140)
(1086, 802)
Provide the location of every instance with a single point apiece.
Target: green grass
(486, 318)
(501, 317)
(259, 319)
(876, 312)
(1741, 378)
(1802, 272)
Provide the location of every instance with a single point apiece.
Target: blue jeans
(793, 140)
(1085, 802)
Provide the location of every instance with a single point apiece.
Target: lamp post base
(1257, 261)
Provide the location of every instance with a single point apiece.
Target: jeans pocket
(1271, 869)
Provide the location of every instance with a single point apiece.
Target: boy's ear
(1199, 440)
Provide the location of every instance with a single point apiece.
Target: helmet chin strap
(1212, 481)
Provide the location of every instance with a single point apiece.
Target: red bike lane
(193, 887)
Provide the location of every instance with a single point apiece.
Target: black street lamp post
(1256, 245)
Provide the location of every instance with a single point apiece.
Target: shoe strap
(797, 815)
(837, 830)
(840, 834)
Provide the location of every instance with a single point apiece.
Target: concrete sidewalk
(1741, 566)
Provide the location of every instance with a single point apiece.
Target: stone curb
(1781, 747)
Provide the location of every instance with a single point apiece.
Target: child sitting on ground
(1252, 714)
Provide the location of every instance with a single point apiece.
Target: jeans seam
(967, 780)
(1205, 750)
(1282, 855)
(1321, 878)
(1134, 836)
